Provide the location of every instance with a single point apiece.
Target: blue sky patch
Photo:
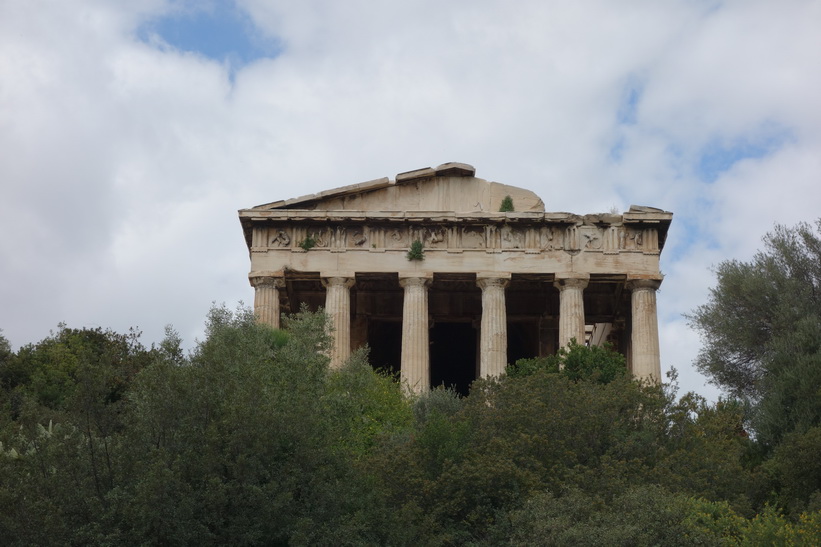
(719, 156)
(218, 30)
(626, 114)
(617, 149)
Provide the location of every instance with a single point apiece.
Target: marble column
(493, 333)
(266, 297)
(338, 308)
(415, 367)
(571, 307)
(644, 337)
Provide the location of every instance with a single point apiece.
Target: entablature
(534, 232)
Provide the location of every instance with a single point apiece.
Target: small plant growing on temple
(308, 243)
(416, 251)
(507, 205)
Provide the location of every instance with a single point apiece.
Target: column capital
(647, 283)
(486, 280)
(574, 280)
(267, 279)
(338, 281)
(415, 279)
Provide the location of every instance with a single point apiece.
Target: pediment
(451, 187)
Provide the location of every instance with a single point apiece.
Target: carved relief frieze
(473, 237)
(590, 238)
(359, 238)
(457, 237)
(279, 238)
(512, 238)
(434, 237)
(397, 238)
(632, 240)
(320, 236)
(551, 239)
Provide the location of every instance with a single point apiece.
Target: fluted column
(571, 307)
(338, 308)
(493, 333)
(644, 337)
(266, 297)
(415, 368)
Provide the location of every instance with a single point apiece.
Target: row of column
(415, 365)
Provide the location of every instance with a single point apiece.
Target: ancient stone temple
(444, 287)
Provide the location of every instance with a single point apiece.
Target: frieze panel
(279, 238)
(473, 237)
(512, 238)
(591, 238)
(397, 238)
(434, 237)
(550, 239)
(320, 235)
(610, 239)
(359, 238)
(635, 239)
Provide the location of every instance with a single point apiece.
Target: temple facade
(444, 287)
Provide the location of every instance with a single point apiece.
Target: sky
(131, 132)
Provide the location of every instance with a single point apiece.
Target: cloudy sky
(131, 132)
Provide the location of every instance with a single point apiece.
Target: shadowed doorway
(453, 356)
(385, 341)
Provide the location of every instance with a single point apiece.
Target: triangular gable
(450, 187)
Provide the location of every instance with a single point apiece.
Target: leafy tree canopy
(576, 362)
(761, 330)
(251, 439)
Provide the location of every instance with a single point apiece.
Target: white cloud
(124, 163)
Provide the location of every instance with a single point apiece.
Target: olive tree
(761, 331)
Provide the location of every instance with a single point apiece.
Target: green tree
(641, 515)
(465, 467)
(796, 470)
(252, 440)
(65, 396)
(761, 332)
(576, 362)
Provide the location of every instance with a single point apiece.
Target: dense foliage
(762, 334)
(250, 439)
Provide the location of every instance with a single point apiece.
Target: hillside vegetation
(251, 440)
